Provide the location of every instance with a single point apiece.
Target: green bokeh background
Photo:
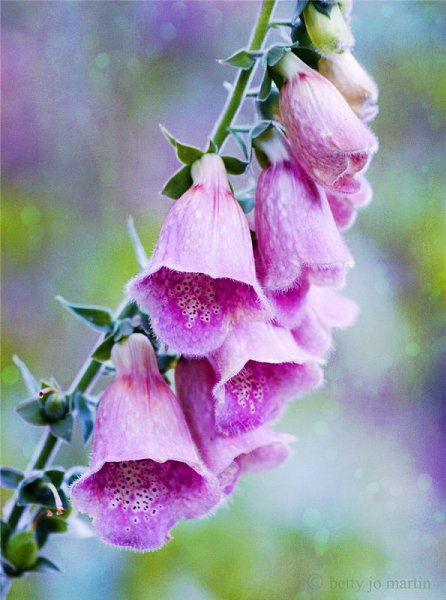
(362, 498)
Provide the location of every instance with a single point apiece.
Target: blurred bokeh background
(85, 85)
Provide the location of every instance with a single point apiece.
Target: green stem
(237, 96)
(49, 443)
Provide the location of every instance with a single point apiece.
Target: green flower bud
(22, 550)
(330, 35)
(55, 407)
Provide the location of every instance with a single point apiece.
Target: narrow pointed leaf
(45, 565)
(97, 317)
(234, 165)
(31, 383)
(32, 412)
(240, 141)
(179, 183)
(242, 59)
(63, 429)
(10, 478)
(275, 53)
(103, 351)
(140, 253)
(169, 137)
(86, 415)
(265, 86)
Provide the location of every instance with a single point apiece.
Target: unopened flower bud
(329, 35)
(354, 83)
(21, 550)
(55, 407)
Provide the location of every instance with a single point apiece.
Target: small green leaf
(47, 525)
(44, 565)
(31, 383)
(185, 154)
(73, 474)
(242, 59)
(124, 329)
(212, 148)
(63, 429)
(179, 183)
(324, 6)
(10, 478)
(260, 128)
(240, 141)
(265, 86)
(246, 203)
(234, 165)
(32, 412)
(103, 351)
(275, 53)
(97, 317)
(86, 415)
(56, 476)
(140, 253)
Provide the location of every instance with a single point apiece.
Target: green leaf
(10, 478)
(73, 474)
(140, 253)
(179, 183)
(275, 53)
(103, 351)
(97, 317)
(125, 328)
(63, 429)
(47, 525)
(212, 148)
(34, 489)
(240, 141)
(6, 531)
(265, 86)
(31, 383)
(85, 414)
(185, 154)
(234, 165)
(56, 476)
(246, 203)
(242, 59)
(260, 128)
(44, 565)
(32, 412)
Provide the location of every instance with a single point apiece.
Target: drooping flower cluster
(251, 314)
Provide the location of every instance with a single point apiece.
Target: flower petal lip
(226, 456)
(206, 235)
(326, 136)
(260, 368)
(145, 474)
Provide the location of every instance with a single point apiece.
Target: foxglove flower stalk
(326, 136)
(344, 206)
(324, 310)
(294, 225)
(145, 474)
(201, 277)
(260, 367)
(354, 83)
(226, 456)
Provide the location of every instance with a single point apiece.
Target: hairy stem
(236, 97)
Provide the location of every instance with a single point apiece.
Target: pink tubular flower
(260, 368)
(324, 310)
(294, 226)
(145, 474)
(344, 206)
(201, 277)
(326, 136)
(227, 457)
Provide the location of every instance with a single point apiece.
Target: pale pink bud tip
(326, 136)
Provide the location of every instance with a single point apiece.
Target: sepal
(10, 478)
(97, 317)
(47, 525)
(85, 414)
(234, 165)
(44, 565)
(185, 154)
(179, 183)
(242, 59)
(32, 412)
(63, 429)
(31, 383)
